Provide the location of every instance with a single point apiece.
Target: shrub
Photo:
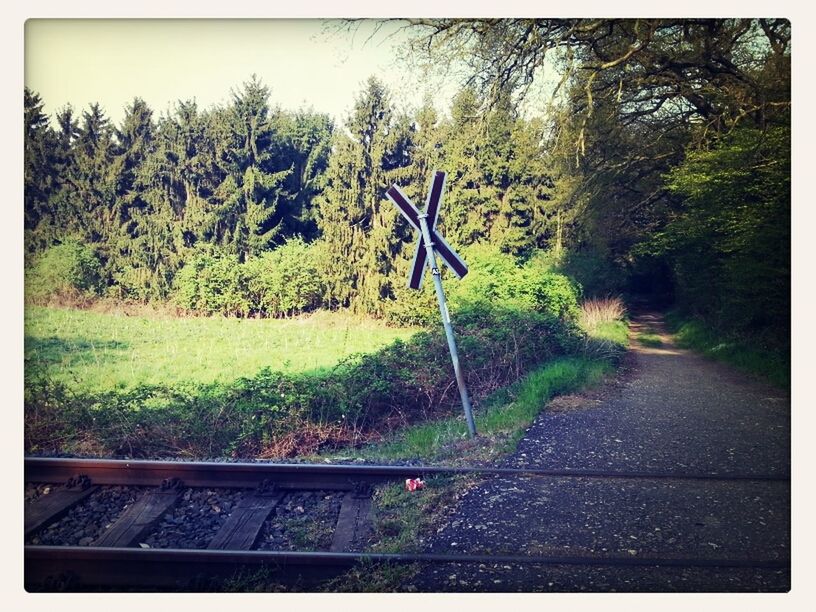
(69, 271)
(213, 283)
(284, 281)
(549, 292)
(494, 278)
(491, 277)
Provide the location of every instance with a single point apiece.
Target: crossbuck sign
(429, 245)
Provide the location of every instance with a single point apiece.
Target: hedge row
(288, 280)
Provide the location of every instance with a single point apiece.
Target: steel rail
(305, 475)
(174, 567)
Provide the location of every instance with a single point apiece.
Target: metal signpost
(430, 244)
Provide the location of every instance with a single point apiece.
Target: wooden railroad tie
(53, 506)
(354, 521)
(241, 529)
(141, 516)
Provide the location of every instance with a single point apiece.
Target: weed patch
(651, 340)
(753, 355)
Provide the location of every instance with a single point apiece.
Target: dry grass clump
(597, 311)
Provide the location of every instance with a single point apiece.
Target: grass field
(99, 351)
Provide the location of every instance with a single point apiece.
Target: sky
(79, 61)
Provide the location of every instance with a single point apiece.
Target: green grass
(652, 340)
(614, 331)
(98, 351)
(500, 420)
(772, 364)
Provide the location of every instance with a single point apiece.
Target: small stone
(86, 541)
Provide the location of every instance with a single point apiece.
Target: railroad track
(118, 554)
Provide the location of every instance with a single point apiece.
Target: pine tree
(93, 176)
(39, 172)
(360, 238)
(251, 192)
(304, 141)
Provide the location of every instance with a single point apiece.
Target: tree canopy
(662, 159)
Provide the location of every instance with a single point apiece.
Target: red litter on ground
(414, 484)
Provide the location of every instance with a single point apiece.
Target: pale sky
(111, 61)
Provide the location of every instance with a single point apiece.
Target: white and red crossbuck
(442, 248)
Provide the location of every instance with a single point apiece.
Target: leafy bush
(284, 281)
(494, 278)
(549, 292)
(66, 271)
(213, 283)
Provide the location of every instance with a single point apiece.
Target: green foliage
(497, 277)
(151, 193)
(402, 383)
(729, 243)
(494, 277)
(499, 183)
(284, 281)
(549, 292)
(41, 161)
(240, 179)
(213, 283)
(68, 270)
(358, 225)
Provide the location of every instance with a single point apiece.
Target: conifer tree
(40, 172)
(360, 240)
(93, 176)
(251, 192)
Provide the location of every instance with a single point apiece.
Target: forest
(660, 172)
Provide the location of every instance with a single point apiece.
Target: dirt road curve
(670, 411)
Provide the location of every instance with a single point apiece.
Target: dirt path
(670, 411)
